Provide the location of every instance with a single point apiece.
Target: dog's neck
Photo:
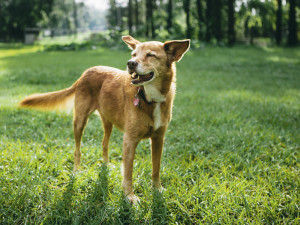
(153, 94)
(157, 91)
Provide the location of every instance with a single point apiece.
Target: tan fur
(52, 100)
(110, 92)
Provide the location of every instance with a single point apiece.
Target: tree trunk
(112, 16)
(231, 22)
(147, 28)
(170, 16)
(130, 17)
(136, 16)
(152, 6)
(279, 22)
(149, 19)
(218, 20)
(200, 18)
(292, 37)
(75, 16)
(186, 6)
(208, 20)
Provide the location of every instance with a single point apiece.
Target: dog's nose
(132, 64)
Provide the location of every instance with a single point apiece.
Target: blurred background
(92, 22)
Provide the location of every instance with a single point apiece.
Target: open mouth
(137, 78)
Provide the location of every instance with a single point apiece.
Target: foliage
(231, 153)
(210, 21)
(218, 20)
(16, 15)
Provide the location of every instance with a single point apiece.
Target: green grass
(231, 154)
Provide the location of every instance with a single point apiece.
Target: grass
(231, 154)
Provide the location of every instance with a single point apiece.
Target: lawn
(231, 154)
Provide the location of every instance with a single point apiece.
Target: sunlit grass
(231, 153)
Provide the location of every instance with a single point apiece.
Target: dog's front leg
(129, 146)
(157, 143)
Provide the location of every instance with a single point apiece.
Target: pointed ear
(176, 49)
(130, 41)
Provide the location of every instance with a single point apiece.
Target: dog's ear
(176, 49)
(130, 41)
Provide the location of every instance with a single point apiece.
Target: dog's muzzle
(132, 65)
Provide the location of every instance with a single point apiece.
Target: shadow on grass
(61, 212)
(126, 213)
(94, 208)
(159, 208)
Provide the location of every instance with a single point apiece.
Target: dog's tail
(58, 100)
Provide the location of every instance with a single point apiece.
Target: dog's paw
(161, 189)
(76, 169)
(158, 186)
(132, 198)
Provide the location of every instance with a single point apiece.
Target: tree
(231, 22)
(148, 14)
(292, 36)
(200, 19)
(279, 22)
(186, 6)
(112, 16)
(75, 16)
(15, 16)
(130, 17)
(170, 16)
(208, 21)
(136, 16)
(218, 20)
(150, 19)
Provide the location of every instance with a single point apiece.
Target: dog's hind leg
(79, 124)
(81, 113)
(107, 127)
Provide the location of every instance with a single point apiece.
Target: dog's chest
(157, 121)
(154, 95)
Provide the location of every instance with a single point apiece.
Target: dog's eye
(151, 55)
(133, 55)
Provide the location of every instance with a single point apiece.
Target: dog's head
(152, 59)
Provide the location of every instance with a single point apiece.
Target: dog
(137, 101)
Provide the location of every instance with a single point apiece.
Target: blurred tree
(201, 21)
(231, 22)
(153, 6)
(218, 20)
(292, 36)
(150, 19)
(75, 15)
(279, 22)
(136, 12)
(17, 15)
(112, 15)
(208, 21)
(129, 16)
(186, 6)
(170, 16)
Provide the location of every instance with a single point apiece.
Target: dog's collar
(141, 95)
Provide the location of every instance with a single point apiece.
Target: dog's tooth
(133, 75)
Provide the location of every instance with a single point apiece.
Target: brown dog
(138, 101)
